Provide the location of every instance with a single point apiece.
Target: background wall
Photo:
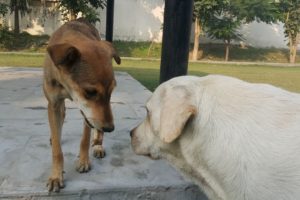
(141, 20)
(137, 20)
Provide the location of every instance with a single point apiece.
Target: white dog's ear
(176, 110)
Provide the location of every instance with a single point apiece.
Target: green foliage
(256, 10)
(290, 17)
(224, 28)
(17, 6)
(21, 5)
(231, 14)
(6, 37)
(86, 7)
(9, 41)
(3, 9)
(222, 18)
(204, 10)
(290, 10)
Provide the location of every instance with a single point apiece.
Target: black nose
(108, 129)
(131, 133)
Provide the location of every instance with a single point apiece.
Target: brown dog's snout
(110, 128)
(131, 133)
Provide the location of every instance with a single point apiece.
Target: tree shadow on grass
(249, 54)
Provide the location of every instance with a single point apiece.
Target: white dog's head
(169, 110)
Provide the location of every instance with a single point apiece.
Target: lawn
(21, 60)
(147, 71)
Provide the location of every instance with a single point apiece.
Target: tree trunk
(72, 15)
(149, 49)
(293, 43)
(293, 48)
(227, 47)
(293, 51)
(17, 22)
(196, 39)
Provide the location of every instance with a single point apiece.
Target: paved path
(25, 152)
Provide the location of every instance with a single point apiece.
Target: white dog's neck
(200, 176)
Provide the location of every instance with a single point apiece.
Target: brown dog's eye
(91, 93)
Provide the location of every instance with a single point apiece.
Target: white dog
(234, 139)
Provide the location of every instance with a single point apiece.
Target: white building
(139, 20)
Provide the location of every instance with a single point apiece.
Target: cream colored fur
(239, 141)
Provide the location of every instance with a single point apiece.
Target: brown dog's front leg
(83, 164)
(97, 144)
(56, 114)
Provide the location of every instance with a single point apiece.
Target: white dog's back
(247, 138)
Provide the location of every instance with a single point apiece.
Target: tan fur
(98, 150)
(78, 66)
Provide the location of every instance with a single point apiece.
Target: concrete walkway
(25, 152)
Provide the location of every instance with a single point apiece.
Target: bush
(6, 37)
(9, 41)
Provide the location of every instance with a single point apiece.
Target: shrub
(10, 41)
(6, 36)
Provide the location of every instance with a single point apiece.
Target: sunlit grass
(147, 72)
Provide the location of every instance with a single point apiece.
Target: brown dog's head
(86, 72)
(168, 112)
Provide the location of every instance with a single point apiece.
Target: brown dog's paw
(99, 151)
(55, 184)
(83, 166)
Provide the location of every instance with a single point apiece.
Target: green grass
(147, 72)
(21, 60)
(138, 49)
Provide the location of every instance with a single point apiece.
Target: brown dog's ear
(64, 54)
(175, 113)
(112, 50)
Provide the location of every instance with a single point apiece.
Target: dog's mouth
(86, 120)
(148, 155)
(152, 157)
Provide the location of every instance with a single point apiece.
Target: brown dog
(78, 66)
